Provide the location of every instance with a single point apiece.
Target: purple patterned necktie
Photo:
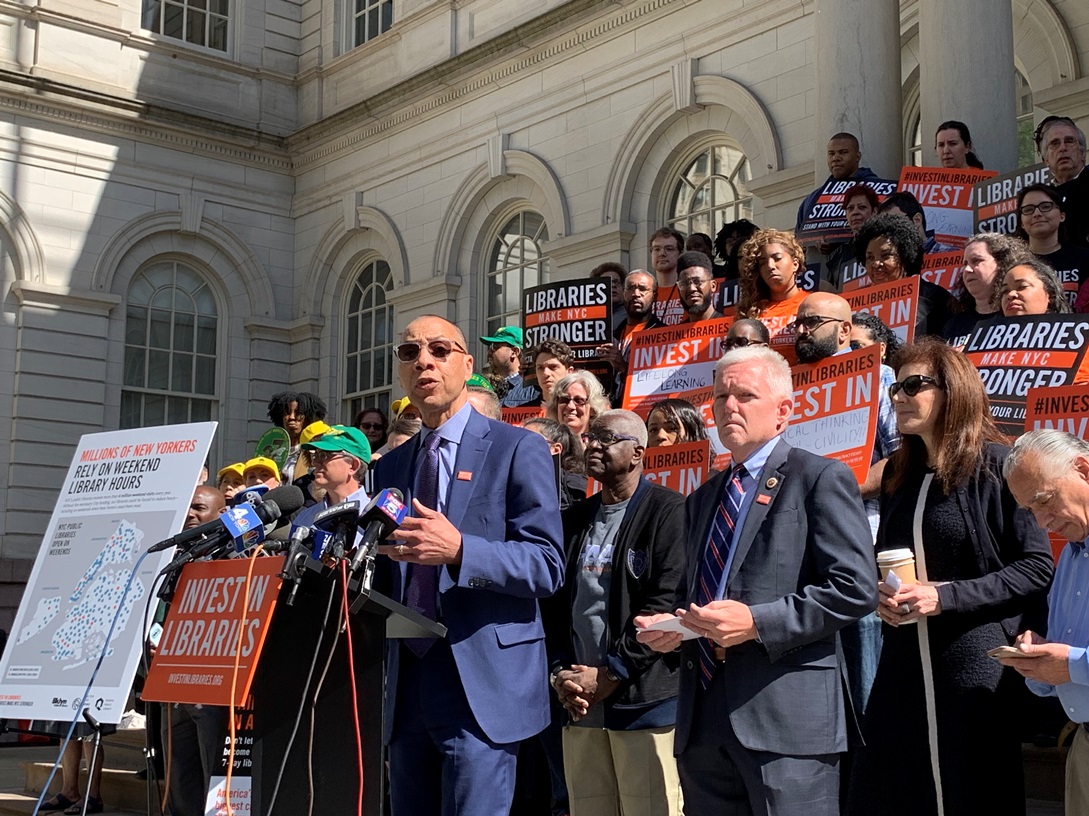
(715, 557)
(422, 580)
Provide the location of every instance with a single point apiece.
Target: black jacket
(648, 563)
(1013, 553)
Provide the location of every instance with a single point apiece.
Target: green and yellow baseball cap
(343, 439)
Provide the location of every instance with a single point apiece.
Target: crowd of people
(736, 650)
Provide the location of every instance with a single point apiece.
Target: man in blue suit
(779, 560)
(483, 543)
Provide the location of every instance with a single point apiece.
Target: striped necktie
(715, 556)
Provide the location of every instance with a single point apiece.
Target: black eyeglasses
(439, 349)
(566, 398)
(606, 438)
(911, 385)
(686, 283)
(741, 342)
(1043, 206)
(814, 322)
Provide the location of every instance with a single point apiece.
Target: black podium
(280, 686)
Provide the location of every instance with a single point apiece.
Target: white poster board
(124, 491)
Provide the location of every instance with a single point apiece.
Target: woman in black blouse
(987, 565)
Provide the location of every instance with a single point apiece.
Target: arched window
(515, 263)
(171, 348)
(369, 341)
(710, 191)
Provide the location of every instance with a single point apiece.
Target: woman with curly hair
(869, 330)
(293, 411)
(575, 400)
(770, 264)
(987, 257)
(890, 246)
(672, 422)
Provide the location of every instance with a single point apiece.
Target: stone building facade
(205, 201)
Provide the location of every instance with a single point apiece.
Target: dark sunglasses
(741, 342)
(911, 385)
(371, 426)
(565, 399)
(814, 322)
(438, 349)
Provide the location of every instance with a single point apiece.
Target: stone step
(121, 790)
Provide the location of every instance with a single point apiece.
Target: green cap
(511, 335)
(344, 439)
(479, 381)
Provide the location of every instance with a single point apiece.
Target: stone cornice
(283, 331)
(89, 110)
(785, 186)
(47, 296)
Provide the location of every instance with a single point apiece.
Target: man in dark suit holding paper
(780, 559)
(482, 544)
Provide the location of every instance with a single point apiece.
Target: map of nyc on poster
(124, 491)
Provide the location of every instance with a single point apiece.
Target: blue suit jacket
(507, 510)
(804, 565)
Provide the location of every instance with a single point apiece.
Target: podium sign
(204, 632)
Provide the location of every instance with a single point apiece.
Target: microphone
(240, 527)
(251, 495)
(296, 557)
(382, 516)
(338, 522)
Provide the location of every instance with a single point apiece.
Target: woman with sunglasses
(575, 400)
(1041, 221)
(373, 423)
(984, 568)
(673, 422)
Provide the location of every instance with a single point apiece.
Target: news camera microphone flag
(380, 518)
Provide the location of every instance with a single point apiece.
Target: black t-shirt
(959, 327)
(1071, 263)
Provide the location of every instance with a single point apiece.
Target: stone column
(858, 81)
(966, 72)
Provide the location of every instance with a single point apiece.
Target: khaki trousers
(631, 773)
(1077, 775)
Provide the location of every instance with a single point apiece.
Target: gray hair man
(1048, 473)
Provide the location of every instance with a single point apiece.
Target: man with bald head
(481, 545)
(625, 556)
(823, 329)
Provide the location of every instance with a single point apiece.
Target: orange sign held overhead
(835, 408)
(210, 628)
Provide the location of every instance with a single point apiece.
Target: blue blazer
(507, 509)
(804, 565)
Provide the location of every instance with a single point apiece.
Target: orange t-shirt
(778, 317)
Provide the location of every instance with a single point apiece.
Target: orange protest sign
(896, 303)
(943, 269)
(1065, 408)
(1016, 354)
(518, 416)
(203, 632)
(835, 408)
(673, 362)
(682, 467)
(946, 195)
(996, 197)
